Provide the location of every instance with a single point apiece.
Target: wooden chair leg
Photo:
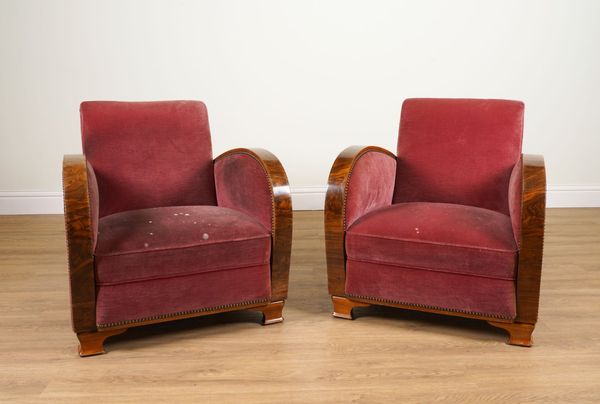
(518, 333)
(342, 307)
(272, 312)
(92, 343)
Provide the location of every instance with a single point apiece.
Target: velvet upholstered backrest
(458, 151)
(148, 154)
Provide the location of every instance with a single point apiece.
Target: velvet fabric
(94, 202)
(242, 184)
(436, 237)
(443, 290)
(161, 297)
(459, 151)
(371, 185)
(159, 243)
(515, 192)
(148, 154)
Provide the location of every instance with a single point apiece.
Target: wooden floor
(384, 355)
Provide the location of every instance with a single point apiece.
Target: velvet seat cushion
(438, 237)
(158, 243)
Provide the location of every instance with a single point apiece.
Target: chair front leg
(272, 312)
(518, 333)
(342, 307)
(92, 343)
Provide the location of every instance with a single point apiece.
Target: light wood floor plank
(384, 355)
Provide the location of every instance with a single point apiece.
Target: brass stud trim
(179, 313)
(425, 306)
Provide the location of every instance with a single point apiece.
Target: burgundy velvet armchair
(453, 224)
(157, 230)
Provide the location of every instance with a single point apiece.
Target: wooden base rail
(92, 343)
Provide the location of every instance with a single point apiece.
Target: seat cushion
(437, 237)
(157, 243)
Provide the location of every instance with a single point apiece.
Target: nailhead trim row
(180, 313)
(425, 306)
(346, 187)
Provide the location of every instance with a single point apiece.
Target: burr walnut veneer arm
(253, 181)
(361, 179)
(533, 213)
(81, 219)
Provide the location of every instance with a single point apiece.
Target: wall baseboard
(303, 198)
(573, 196)
(31, 203)
(308, 198)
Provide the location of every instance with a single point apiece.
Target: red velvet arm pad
(81, 224)
(362, 179)
(533, 214)
(253, 181)
(369, 184)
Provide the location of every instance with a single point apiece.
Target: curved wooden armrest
(281, 214)
(335, 212)
(533, 213)
(80, 243)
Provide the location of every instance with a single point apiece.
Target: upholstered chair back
(148, 154)
(459, 151)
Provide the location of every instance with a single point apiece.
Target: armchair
(158, 231)
(454, 224)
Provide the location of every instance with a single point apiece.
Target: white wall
(301, 78)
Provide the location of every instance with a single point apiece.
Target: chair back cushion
(148, 154)
(458, 151)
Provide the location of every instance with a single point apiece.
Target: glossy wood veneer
(78, 226)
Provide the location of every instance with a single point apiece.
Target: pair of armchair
(157, 230)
